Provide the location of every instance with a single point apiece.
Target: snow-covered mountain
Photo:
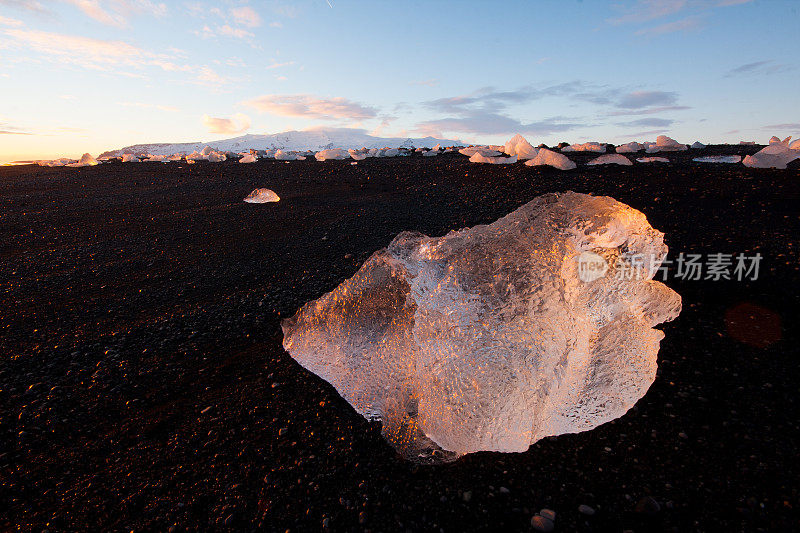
(316, 139)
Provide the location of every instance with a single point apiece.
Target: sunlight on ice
(261, 196)
(487, 338)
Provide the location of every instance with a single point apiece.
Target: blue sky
(91, 75)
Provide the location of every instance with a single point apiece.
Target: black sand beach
(143, 385)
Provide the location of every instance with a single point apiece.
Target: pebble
(467, 495)
(549, 514)
(648, 506)
(586, 510)
(504, 490)
(541, 523)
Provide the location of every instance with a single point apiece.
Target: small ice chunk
(248, 158)
(130, 158)
(63, 161)
(520, 147)
(666, 144)
(773, 156)
(585, 147)
(485, 151)
(478, 158)
(610, 159)
(216, 157)
(331, 153)
(551, 158)
(718, 159)
(261, 196)
(777, 140)
(697, 145)
(795, 145)
(629, 148)
(653, 160)
(430, 153)
(357, 155)
(86, 160)
(280, 155)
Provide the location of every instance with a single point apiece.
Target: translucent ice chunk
(610, 159)
(261, 196)
(493, 337)
(550, 158)
(776, 155)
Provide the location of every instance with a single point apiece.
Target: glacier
(491, 337)
(314, 139)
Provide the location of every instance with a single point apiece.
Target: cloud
(784, 126)
(489, 123)
(286, 10)
(5, 21)
(237, 124)
(143, 105)
(647, 10)
(484, 110)
(686, 24)
(210, 78)
(641, 99)
(643, 11)
(107, 56)
(489, 98)
(279, 65)
(238, 33)
(649, 111)
(275, 24)
(8, 129)
(116, 12)
(757, 68)
(644, 133)
(308, 106)
(28, 5)
(429, 83)
(85, 51)
(654, 122)
(385, 121)
(246, 16)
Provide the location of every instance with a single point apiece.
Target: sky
(92, 75)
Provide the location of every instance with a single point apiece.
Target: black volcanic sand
(144, 386)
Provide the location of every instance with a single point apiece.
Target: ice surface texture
(486, 338)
